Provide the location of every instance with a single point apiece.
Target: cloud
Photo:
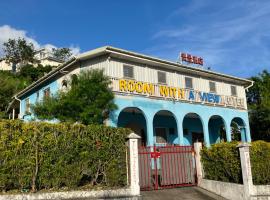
(232, 39)
(8, 32)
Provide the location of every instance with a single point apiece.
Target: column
(246, 169)
(206, 134)
(199, 170)
(228, 131)
(150, 129)
(180, 133)
(134, 163)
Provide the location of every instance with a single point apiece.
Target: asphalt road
(185, 193)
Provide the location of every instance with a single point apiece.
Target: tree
(258, 98)
(62, 53)
(10, 84)
(19, 51)
(34, 73)
(88, 100)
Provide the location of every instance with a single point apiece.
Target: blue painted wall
(180, 109)
(35, 98)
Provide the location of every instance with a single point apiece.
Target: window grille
(128, 71)
(161, 77)
(212, 86)
(188, 82)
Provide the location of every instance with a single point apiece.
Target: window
(161, 77)
(233, 90)
(212, 86)
(27, 105)
(161, 136)
(188, 82)
(47, 92)
(128, 71)
(64, 83)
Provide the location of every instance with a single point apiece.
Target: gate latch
(155, 154)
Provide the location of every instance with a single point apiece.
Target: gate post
(246, 169)
(134, 163)
(198, 164)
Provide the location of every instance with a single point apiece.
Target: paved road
(184, 193)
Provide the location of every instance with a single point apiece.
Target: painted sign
(191, 59)
(177, 93)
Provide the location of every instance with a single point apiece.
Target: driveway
(185, 193)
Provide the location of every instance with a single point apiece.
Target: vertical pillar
(206, 134)
(246, 169)
(228, 131)
(134, 163)
(180, 131)
(150, 129)
(199, 170)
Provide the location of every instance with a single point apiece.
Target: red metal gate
(166, 167)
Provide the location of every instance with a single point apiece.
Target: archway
(217, 130)
(134, 119)
(238, 129)
(165, 128)
(192, 129)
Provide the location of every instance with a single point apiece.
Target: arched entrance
(192, 129)
(134, 119)
(217, 130)
(165, 128)
(238, 129)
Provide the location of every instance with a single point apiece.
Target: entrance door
(197, 137)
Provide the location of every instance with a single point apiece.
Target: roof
(137, 57)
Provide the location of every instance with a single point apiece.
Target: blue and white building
(164, 102)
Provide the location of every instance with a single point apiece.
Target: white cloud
(8, 32)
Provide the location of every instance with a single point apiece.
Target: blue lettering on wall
(191, 95)
(209, 97)
(203, 96)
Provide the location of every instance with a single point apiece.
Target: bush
(260, 162)
(221, 162)
(41, 155)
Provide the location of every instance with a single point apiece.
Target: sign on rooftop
(191, 59)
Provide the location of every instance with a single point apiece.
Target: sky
(232, 37)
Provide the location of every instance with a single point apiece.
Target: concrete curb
(74, 195)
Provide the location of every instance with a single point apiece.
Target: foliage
(221, 162)
(62, 53)
(236, 133)
(258, 98)
(19, 51)
(87, 101)
(260, 162)
(40, 155)
(10, 84)
(34, 73)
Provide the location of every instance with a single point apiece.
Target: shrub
(40, 155)
(260, 162)
(221, 162)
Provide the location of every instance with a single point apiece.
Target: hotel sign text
(177, 93)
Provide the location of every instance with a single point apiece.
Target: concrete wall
(230, 191)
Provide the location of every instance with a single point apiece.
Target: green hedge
(221, 162)
(260, 162)
(36, 155)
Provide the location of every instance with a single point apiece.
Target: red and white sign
(191, 59)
